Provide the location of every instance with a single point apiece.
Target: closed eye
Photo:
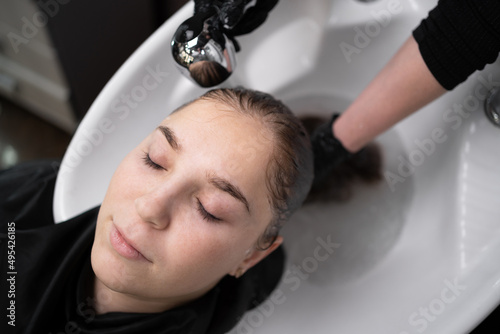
(207, 215)
(150, 163)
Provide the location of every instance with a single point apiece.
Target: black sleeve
(26, 194)
(458, 38)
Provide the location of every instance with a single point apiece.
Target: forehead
(216, 121)
(215, 112)
(234, 145)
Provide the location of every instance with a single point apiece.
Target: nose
(155, 206)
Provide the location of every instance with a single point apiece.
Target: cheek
(127, 182)
(207, 251)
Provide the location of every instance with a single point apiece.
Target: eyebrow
(170, 136)
(229, 188)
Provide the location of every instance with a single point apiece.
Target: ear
(254, 257)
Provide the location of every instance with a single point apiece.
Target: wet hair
(289, 173)
(364, 167)
(208, 73)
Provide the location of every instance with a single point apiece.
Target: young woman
(183, 241)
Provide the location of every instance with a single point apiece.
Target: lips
(123, 247)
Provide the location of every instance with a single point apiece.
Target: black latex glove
(233, 19)
(328, 151)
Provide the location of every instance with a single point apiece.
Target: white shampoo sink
(416, 253)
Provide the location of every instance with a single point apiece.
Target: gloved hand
(234, 17)
(328, 151)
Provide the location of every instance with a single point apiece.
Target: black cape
(45, 284)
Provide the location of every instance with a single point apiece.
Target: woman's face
(185, 207)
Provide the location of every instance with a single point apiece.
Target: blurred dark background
(56, 56)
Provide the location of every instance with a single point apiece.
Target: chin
(106, 267)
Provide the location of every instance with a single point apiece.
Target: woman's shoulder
(26, 193)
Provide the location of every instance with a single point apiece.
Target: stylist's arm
(456, 39)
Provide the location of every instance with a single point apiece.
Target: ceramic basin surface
(417, 252)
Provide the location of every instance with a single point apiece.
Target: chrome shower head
(492, 106)
(202, 51)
